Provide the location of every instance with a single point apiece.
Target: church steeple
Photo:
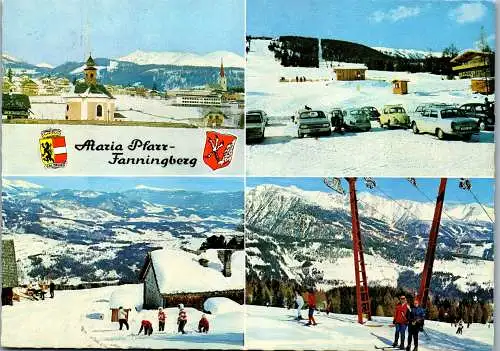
(222, 77)
(90, 71)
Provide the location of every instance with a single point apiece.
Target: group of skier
(147, 326)
(411, 317)
(311, 303)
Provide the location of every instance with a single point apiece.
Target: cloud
(467, 13)
(395, 14)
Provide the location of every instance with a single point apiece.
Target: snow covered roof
(180, 272)
(466, 55)
(350, 66)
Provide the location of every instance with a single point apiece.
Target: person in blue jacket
(415, 324)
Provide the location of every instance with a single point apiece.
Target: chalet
(15, 105)
(472, 64)
(350, 72)
(171, 277)
(90, 100)
(400, 86)
(9, 271)
(29, 87)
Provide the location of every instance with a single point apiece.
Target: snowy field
(71, 320)
(390, 152)
(275, 328)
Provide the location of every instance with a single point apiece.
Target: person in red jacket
(147, 327)
(311, 302)
(203, 324)
(181, 319)
(400, 321)
(161, 319)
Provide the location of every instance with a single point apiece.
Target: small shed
(483, 85)
(400, 86)
(126, 296)
(350, 72)
(9, 271)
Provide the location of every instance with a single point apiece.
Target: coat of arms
(53, 148)
(219, 149)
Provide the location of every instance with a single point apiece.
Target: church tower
(90, 71)
(222, 77)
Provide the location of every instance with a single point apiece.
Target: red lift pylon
(362, 294)
(423, 292)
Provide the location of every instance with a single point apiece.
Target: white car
(264, 115)
(444, 121)
(255, 126)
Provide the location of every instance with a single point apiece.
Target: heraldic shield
(219, 148)
(53, 148)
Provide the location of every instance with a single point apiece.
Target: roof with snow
(467, 55)
(126, 296)
(86, 90)
(179, 271)
(346, 66)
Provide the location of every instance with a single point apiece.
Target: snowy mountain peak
(19, 184)
(7, 57)
(45, 65)
(407, 53)
(212, 59)
(147, 187)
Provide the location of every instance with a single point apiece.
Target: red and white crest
(53, 151)
(218, 151)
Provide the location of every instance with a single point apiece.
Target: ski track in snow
(271, 327)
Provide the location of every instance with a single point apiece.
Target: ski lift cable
(480, 204)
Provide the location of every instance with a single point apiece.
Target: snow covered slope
(408, 53)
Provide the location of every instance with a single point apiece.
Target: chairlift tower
(425, 282)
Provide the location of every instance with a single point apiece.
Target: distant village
(88, 100)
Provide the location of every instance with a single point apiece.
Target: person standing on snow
(460, 327)
(122, 317)
(299, 300)
(161, 319)
(52, 287)
(181, 319)
(400, 321)
(203, 324)
(416, 319)
(147, 327)
(311, 301)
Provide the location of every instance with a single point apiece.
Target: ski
(386, 347)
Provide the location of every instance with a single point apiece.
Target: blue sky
(53, 31)
(397, 188)
(403, 24)
(115, 184)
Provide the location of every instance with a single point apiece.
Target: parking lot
(392, 152)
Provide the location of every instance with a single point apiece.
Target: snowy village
(340, 91)
(128, 263)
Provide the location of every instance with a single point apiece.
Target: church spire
(221, 68)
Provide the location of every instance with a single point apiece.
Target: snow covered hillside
(99, 236)
(408, 53)
(303, 235)
(393, 152)
(274, 328)
(73, 320)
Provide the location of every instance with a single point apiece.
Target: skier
(52, 287)
(415, 324)
(161, 319)
(299, 300)
(400, 321)
(181, 319)
(307, 108)
(460, 327)
(203, 324)
(122, 317)
(311, 301)
(147, 327)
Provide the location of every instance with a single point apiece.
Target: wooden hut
(483, 85)
(350, 72)
(400, 86)
(9, 271)
(126, 297)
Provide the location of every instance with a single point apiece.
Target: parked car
(443, 121)
(372, 112)
(264, 115)
(356, 119)
(336, 119)
(484, 116)
(394, 116)
(312, 122)
(255, 126)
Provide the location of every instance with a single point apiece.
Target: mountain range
(100, 236)
(303, 235)
(163, 71)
